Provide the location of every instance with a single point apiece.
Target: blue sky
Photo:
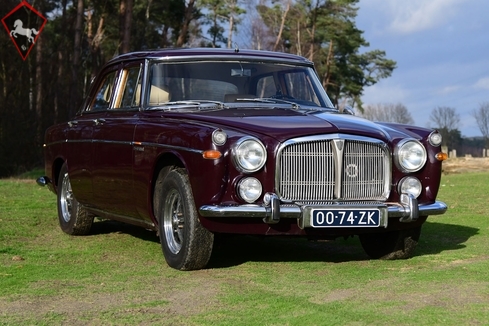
(442, 52)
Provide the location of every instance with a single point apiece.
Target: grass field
(117, 275)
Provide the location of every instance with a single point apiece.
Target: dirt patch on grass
(167, 299)
(466, 164)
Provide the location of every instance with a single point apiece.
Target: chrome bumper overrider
(407, 210)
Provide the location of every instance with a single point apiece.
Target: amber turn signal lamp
(211, 154)
(441, 156)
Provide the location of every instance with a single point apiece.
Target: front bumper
(407, 210)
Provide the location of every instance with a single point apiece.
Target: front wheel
(73, 217)
(391, 245)
(186, 244)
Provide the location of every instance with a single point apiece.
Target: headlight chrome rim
(410, 185)
(244, 155)
(250, 189)
(410, 155)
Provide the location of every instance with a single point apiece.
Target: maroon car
(194, 143)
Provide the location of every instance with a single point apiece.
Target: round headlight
(410, 185)
(411, 155)
(249, 189)
(249, 155)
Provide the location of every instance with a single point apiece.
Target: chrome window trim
(130, 143)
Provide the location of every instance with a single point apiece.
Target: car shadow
(103, 226)
(231, 251)
(438, 237)
(234, 250)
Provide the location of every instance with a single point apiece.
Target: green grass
(117, 275)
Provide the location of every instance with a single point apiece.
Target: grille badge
(351, 170)
(339, 144)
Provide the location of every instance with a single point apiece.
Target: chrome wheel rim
(173, 221)
(66, 199)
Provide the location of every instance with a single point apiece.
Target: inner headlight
(249, 155)
(411, 155)
(410, 185)
(249, 189)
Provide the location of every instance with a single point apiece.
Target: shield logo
(24, 25)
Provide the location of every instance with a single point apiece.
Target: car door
(79, 156)
(112, 175)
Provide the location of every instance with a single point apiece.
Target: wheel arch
(166, 160)
(56, 169)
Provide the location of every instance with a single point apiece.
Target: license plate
(323, 218)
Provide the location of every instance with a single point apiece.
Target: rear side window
(104, 93)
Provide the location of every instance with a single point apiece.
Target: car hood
(285, 124)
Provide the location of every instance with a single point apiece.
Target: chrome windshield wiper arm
(295, 106)
(179, 104)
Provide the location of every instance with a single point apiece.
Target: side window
(104, 93)
(132, 88)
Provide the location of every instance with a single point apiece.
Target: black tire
(186, 244)
(73, 217)
(391, 245)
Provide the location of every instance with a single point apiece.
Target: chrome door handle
(99, 121)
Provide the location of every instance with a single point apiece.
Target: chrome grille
(333, 169)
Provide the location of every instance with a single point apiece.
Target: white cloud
(413, 16)
(440, 47)
(449, 89)
(384, 92)
(482, 83)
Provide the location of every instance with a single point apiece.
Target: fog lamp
(249, 189)
(410, 185)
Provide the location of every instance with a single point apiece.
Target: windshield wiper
(196, 104)
(295, 106)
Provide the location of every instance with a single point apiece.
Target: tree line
(81, 35)
(445, 119)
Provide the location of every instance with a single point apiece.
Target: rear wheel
(391, 245)
(186, 244)
(73, 217)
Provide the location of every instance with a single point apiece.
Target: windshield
(234, 81)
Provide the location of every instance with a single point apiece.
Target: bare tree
(446, 120)
(481, 115)
(445, 117)
(388, 112)
(254, 29)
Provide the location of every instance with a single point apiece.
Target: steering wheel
(282, 97)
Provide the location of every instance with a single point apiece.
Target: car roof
(205, 53)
